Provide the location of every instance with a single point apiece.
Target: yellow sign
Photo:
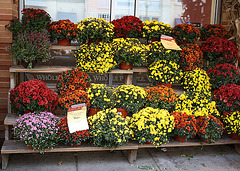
(169, 43)
(77, 118)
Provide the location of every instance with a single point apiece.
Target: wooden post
(7, 132)
(5, 158)
(237, 148)
(132, 155)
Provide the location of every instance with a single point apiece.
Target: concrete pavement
(219, 158)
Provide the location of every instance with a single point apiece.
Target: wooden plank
(5, 11)
(4, 84)
(140, 69)
(5, 40)
(4, 79)
(3, 95)
(4, 67)
(5, 5)
(5, 34)
(193, 142)
(6, 17)
(57, 69)
(64, 47)
(4, 74)
(15, 147)
(6, 63)
(5, 57)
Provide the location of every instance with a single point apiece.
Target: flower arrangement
(185, 125)
(154, 29)
(223, 74)
(129, 50)
(196, 80)
(219, 50)
(100, 96)
(227, 98)
(158, 52)
(73, 139)
(97, 58)
(96, 29)
(197, 104)
(32, 20)
(164, 71)
(35, 19)
(31, 46)
(161, 97)
(213, 30)
(37, 131)
(62, 29)
(232, 123)
(152, 125)
(130, 97)
(74, 97)
(185, 33)
(128, 27)
(209, 128)
(33, 95)
(191, 57)
(72, 80)
(109, 129)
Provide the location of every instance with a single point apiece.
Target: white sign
(169, 43)
(77, 118)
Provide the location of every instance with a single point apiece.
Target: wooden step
(16, 147)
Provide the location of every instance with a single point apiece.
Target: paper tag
(77, 118)
(169, 43)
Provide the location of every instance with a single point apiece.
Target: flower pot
(234, 136)
(26, 64)
(148, 142)
(125, 66)
(75, 145)
(206, 141)
(123, 112)
(92, 40)
(64, 42)
(165, 84)
(93, 111)
(180, 139)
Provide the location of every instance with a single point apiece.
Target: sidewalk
(219, 158)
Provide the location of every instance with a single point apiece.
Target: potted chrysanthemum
(151, 125)
(109, 129)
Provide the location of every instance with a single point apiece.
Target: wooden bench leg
(132, 155)
(237, 148)
(5, 158)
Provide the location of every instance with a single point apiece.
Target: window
(170, 12)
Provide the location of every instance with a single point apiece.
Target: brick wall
(8, 11)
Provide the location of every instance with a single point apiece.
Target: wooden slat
(14, 147)
(5, 57)
(4, 79)
(6, 17)
(57, 69)
(140, 69)
(5, 40)
(6, 11)
(5, 5)
(4, 74)
(5, 34)
(64, 47)
(3, 95)
(4, 67)
(194, 142)
(6, 63)
(4, 84)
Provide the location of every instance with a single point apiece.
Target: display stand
(14, 147)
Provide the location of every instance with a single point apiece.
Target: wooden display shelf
(15, 147)
(57, 69)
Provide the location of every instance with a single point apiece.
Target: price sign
(169, 43)
(77, 118)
